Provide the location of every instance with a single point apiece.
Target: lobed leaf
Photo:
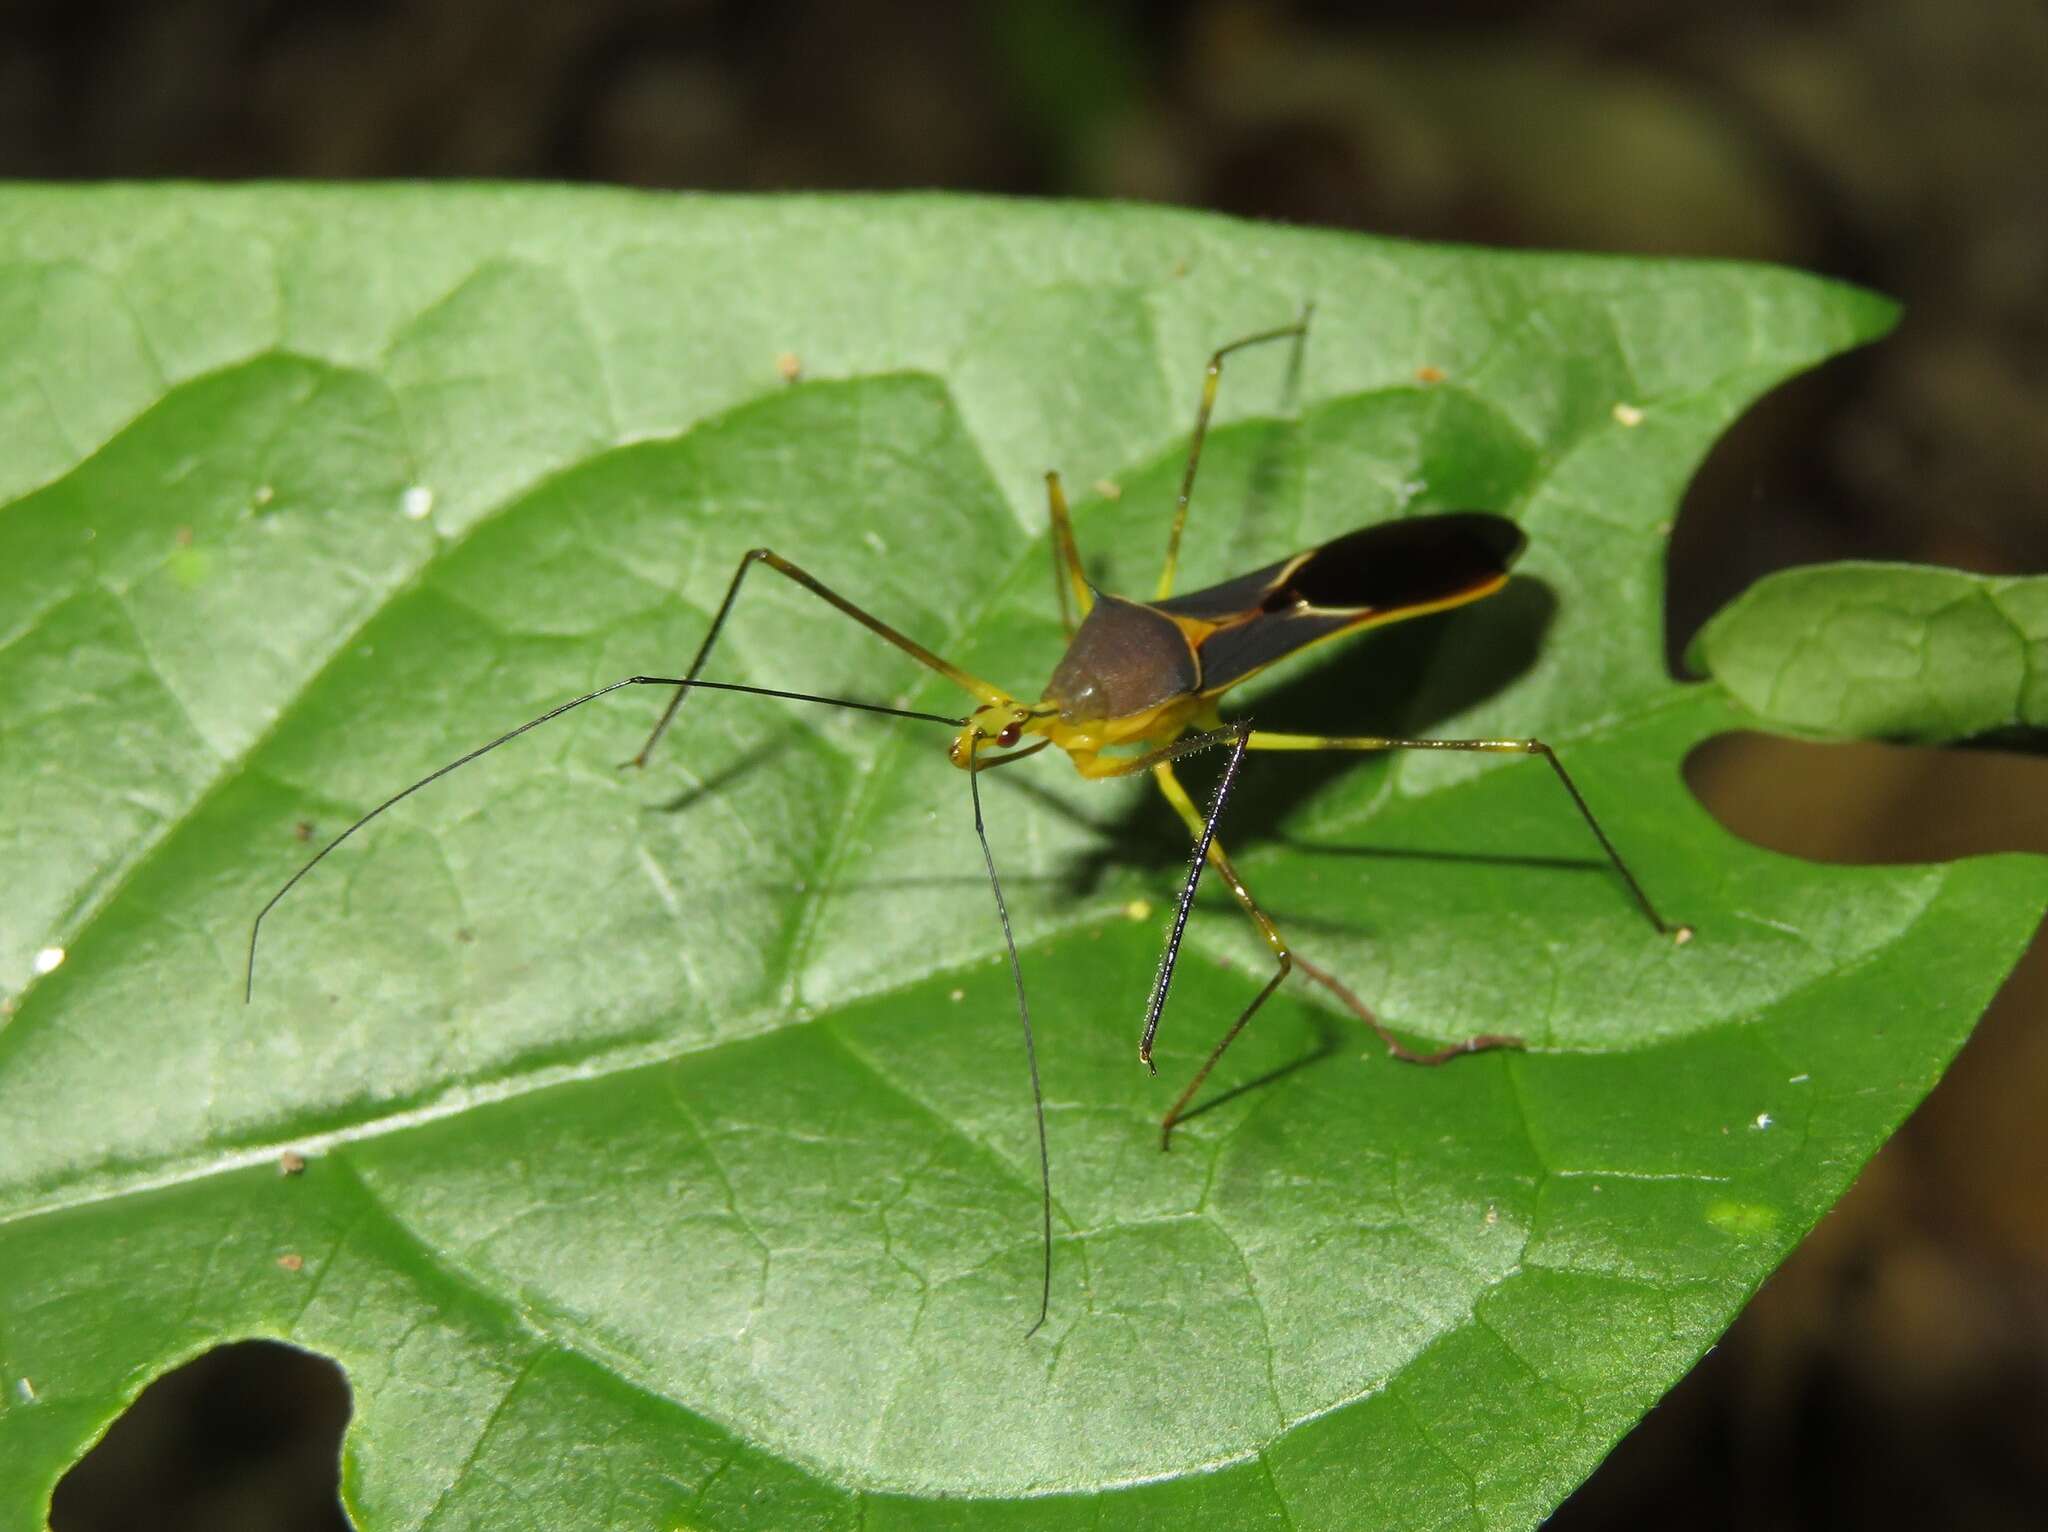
(668, 1154)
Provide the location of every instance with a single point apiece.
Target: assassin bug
(1138, 689)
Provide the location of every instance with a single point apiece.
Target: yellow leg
(1098, 767)
(1263, 739)
(1183, 805)
(782, 566)
(1286, 961)
(1211, 377)
(1066, 556)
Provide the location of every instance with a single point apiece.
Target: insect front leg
(782, 566)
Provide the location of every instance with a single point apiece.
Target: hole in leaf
(1870, 803)
(1779, 489)
(1885, 1366)
(246, 1436)
(1978, 1138)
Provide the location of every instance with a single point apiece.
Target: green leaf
(669, 1158)
(1885, 651)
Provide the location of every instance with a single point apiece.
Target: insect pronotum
(1136, 691)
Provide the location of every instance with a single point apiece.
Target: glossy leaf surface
(669, 1157)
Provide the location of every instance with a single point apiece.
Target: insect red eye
(1009, 735)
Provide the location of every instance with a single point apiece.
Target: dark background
(1895, 1372)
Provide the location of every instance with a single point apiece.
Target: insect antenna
(1024, 1016)
(256, 926)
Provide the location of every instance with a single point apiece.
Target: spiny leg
(817, 587)
(1265, 739)
(1208, 848)
(1067, 573)
(1211, 377)
(1096, 768)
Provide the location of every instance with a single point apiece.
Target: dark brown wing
(1376, 574)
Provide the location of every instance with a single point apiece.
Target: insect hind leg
(1264, 739)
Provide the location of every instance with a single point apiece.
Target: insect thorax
(1126, 659)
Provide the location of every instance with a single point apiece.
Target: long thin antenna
(1023, 1015)
(256, 926)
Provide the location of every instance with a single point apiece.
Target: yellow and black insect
(1138, 688)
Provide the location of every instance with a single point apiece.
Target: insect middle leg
(1212, 377)
(1067, 573)
(1264, 739)
(1286, 961)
